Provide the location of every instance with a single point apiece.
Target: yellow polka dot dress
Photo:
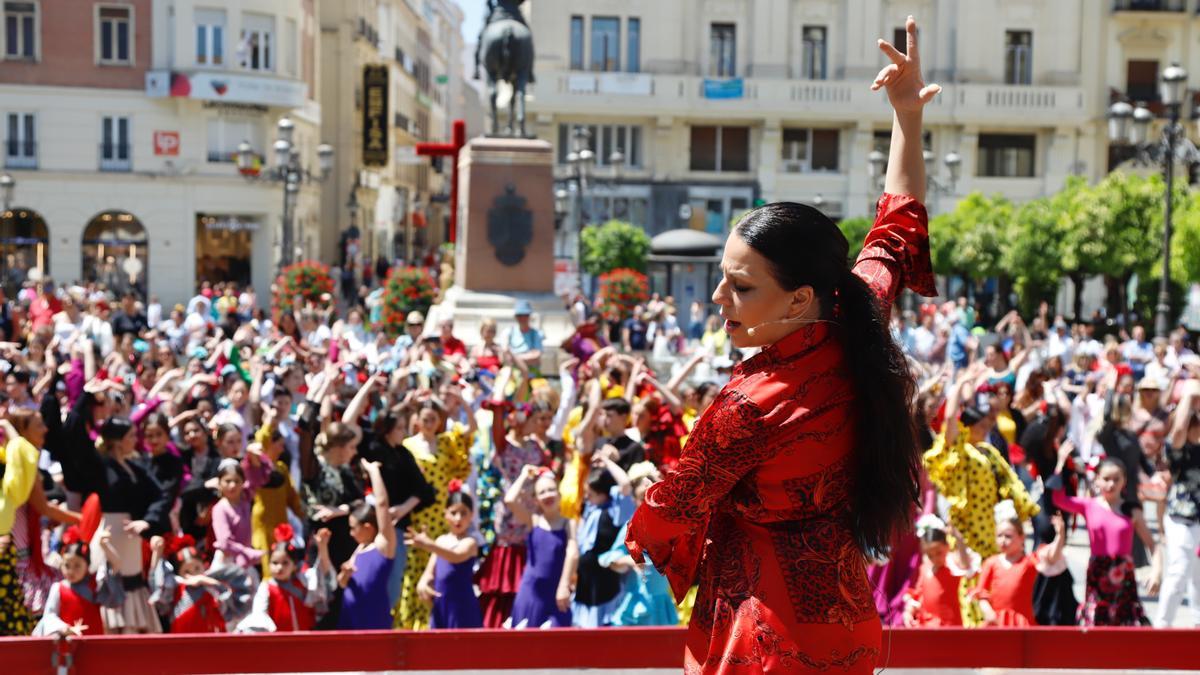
(973, 478)
(450, 462)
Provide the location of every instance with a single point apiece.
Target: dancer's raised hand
(906, 88)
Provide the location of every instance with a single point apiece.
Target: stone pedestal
(506, 216)
(505, 249)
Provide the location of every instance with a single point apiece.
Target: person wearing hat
(414, 325)
(523, 340)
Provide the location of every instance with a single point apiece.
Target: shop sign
(166, 143)
(375, 115)
(229, 224)
(226, 86)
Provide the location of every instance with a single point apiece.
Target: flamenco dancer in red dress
(805, 466)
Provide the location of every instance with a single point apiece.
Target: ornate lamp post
(290, 173)
(876, 161)
(1130, 126)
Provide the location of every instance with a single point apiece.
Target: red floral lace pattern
(895, 254)
(726, 443)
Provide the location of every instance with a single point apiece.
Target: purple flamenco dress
(457, 607)
(535, 605)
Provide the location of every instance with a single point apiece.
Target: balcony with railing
(116, 157)
(576, 92)
(19, 154)
(1149, 5)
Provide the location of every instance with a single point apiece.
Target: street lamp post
(1173, 146)
(290, 173)
(581, 162)
(8, 185)
(876, 161)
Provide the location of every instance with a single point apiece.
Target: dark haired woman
(805, 465)
(134, 506)
(406, 485)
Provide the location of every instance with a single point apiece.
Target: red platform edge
(625, 648)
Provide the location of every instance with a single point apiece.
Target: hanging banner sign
(375, 115)
(725, 89)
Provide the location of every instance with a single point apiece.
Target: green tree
(968, 241)
(1114, 229)
(1034, 248)
(856, 230)
(613, 245)
(1185, 241)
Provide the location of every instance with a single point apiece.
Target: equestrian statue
(505, 51)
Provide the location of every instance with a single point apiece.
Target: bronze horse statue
(506, 54)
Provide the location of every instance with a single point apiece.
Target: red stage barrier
(629, 648)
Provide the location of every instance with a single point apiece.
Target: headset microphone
(754, 329)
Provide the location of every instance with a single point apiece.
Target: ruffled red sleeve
(727, 442)
(895, 254)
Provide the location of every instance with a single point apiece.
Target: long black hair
(805, 248)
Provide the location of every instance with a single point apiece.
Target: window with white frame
(1018, 57)
(20, 142)
(115, 152)
(225, 134)
(720, 148)
(606, 43)
(114, 26)
(577, 43)
(210, 37)
(722, 57)
(633, 57)
(605, 139)
(813, 59)
(1006, 155)
(20, 30)
(809, 150)
(290, 49)
(255, 51)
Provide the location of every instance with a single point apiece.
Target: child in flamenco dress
(933, 601)
(1111, 595)
(290, 600)
(446, 583)
(194, 601)
(73, 604)
(544, 597)
(1007, 579)
(646, 598)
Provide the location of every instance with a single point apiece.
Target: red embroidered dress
(287, 608)
(757, 512)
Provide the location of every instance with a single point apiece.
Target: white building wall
(963, 49)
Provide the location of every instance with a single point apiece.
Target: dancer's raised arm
(908, 94)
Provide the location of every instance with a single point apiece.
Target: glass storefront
(116, 253)
(23, 248)
(224, 244)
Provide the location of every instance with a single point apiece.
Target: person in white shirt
(923, 338)
(1060, 342)
(154, 312)
(316, 333)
